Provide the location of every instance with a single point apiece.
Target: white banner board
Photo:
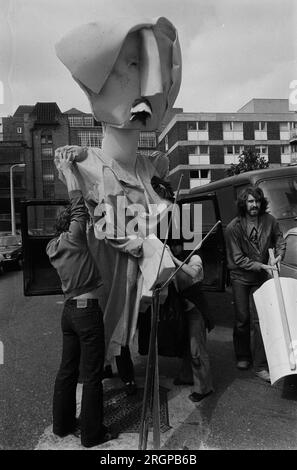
(278, 326)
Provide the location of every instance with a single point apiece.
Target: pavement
(243, 412)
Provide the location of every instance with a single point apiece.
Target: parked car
(289, 264)
(11, 253)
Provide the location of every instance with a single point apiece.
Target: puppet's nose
(150, 69)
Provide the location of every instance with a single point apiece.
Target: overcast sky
(232, 50)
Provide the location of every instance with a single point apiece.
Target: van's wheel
(20, 263)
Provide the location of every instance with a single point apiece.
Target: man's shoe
(243, 365)
(75, 430)
(196, 397)
(130, 388)
(107, 435)
(178, 381)
(263, 374)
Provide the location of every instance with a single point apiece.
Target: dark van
(278, 184)
(218, 201)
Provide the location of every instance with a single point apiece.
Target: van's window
(227, 204)
(42, 219)
(291, 250)
(208, 215)
(282, 196)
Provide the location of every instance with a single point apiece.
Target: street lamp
(21, 165)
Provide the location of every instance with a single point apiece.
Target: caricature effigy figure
(131, 74)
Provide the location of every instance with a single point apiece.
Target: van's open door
(197, 214)
(203, 212)
(37, 221)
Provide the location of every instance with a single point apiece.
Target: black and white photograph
(148, 228)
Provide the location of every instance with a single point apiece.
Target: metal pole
(155, 405)
(12, 210)
(197, 247)
(150, 400)
(283, 313)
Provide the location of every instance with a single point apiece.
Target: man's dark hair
(257, 193)
(63, 221)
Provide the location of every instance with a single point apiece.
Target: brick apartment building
(203, 145)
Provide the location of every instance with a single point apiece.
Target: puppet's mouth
(141, 110)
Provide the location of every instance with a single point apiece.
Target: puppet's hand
(76, 154)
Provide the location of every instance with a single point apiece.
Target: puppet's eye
(133, 63)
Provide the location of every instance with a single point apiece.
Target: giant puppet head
(130, 71)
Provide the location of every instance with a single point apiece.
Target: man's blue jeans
(245, 317)
(83, 351)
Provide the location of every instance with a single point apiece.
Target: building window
(227, 126)
(199, 177)
(47, 152)
(19, 130)
(232, 153)
(232, 126)
(46, 139)
(89, 121)
(75, 121)
(192, 126)
(284, 126)
(193, 150)
(232, 130)
(48, 175)
(238, 149)
(194, 174)
(198, 155)
(261, 149)
(237, 126)
(261, 126)
(81, 121)
(293, 125)
(200, 173)
(147, 139)
(261, 130)
(233, 149)
(89, 139)
(198, 150)
(285, 149)
(202, 126)
(203, 149)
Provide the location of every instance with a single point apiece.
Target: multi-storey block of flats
(203, 145)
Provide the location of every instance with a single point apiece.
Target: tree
(248, 160)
